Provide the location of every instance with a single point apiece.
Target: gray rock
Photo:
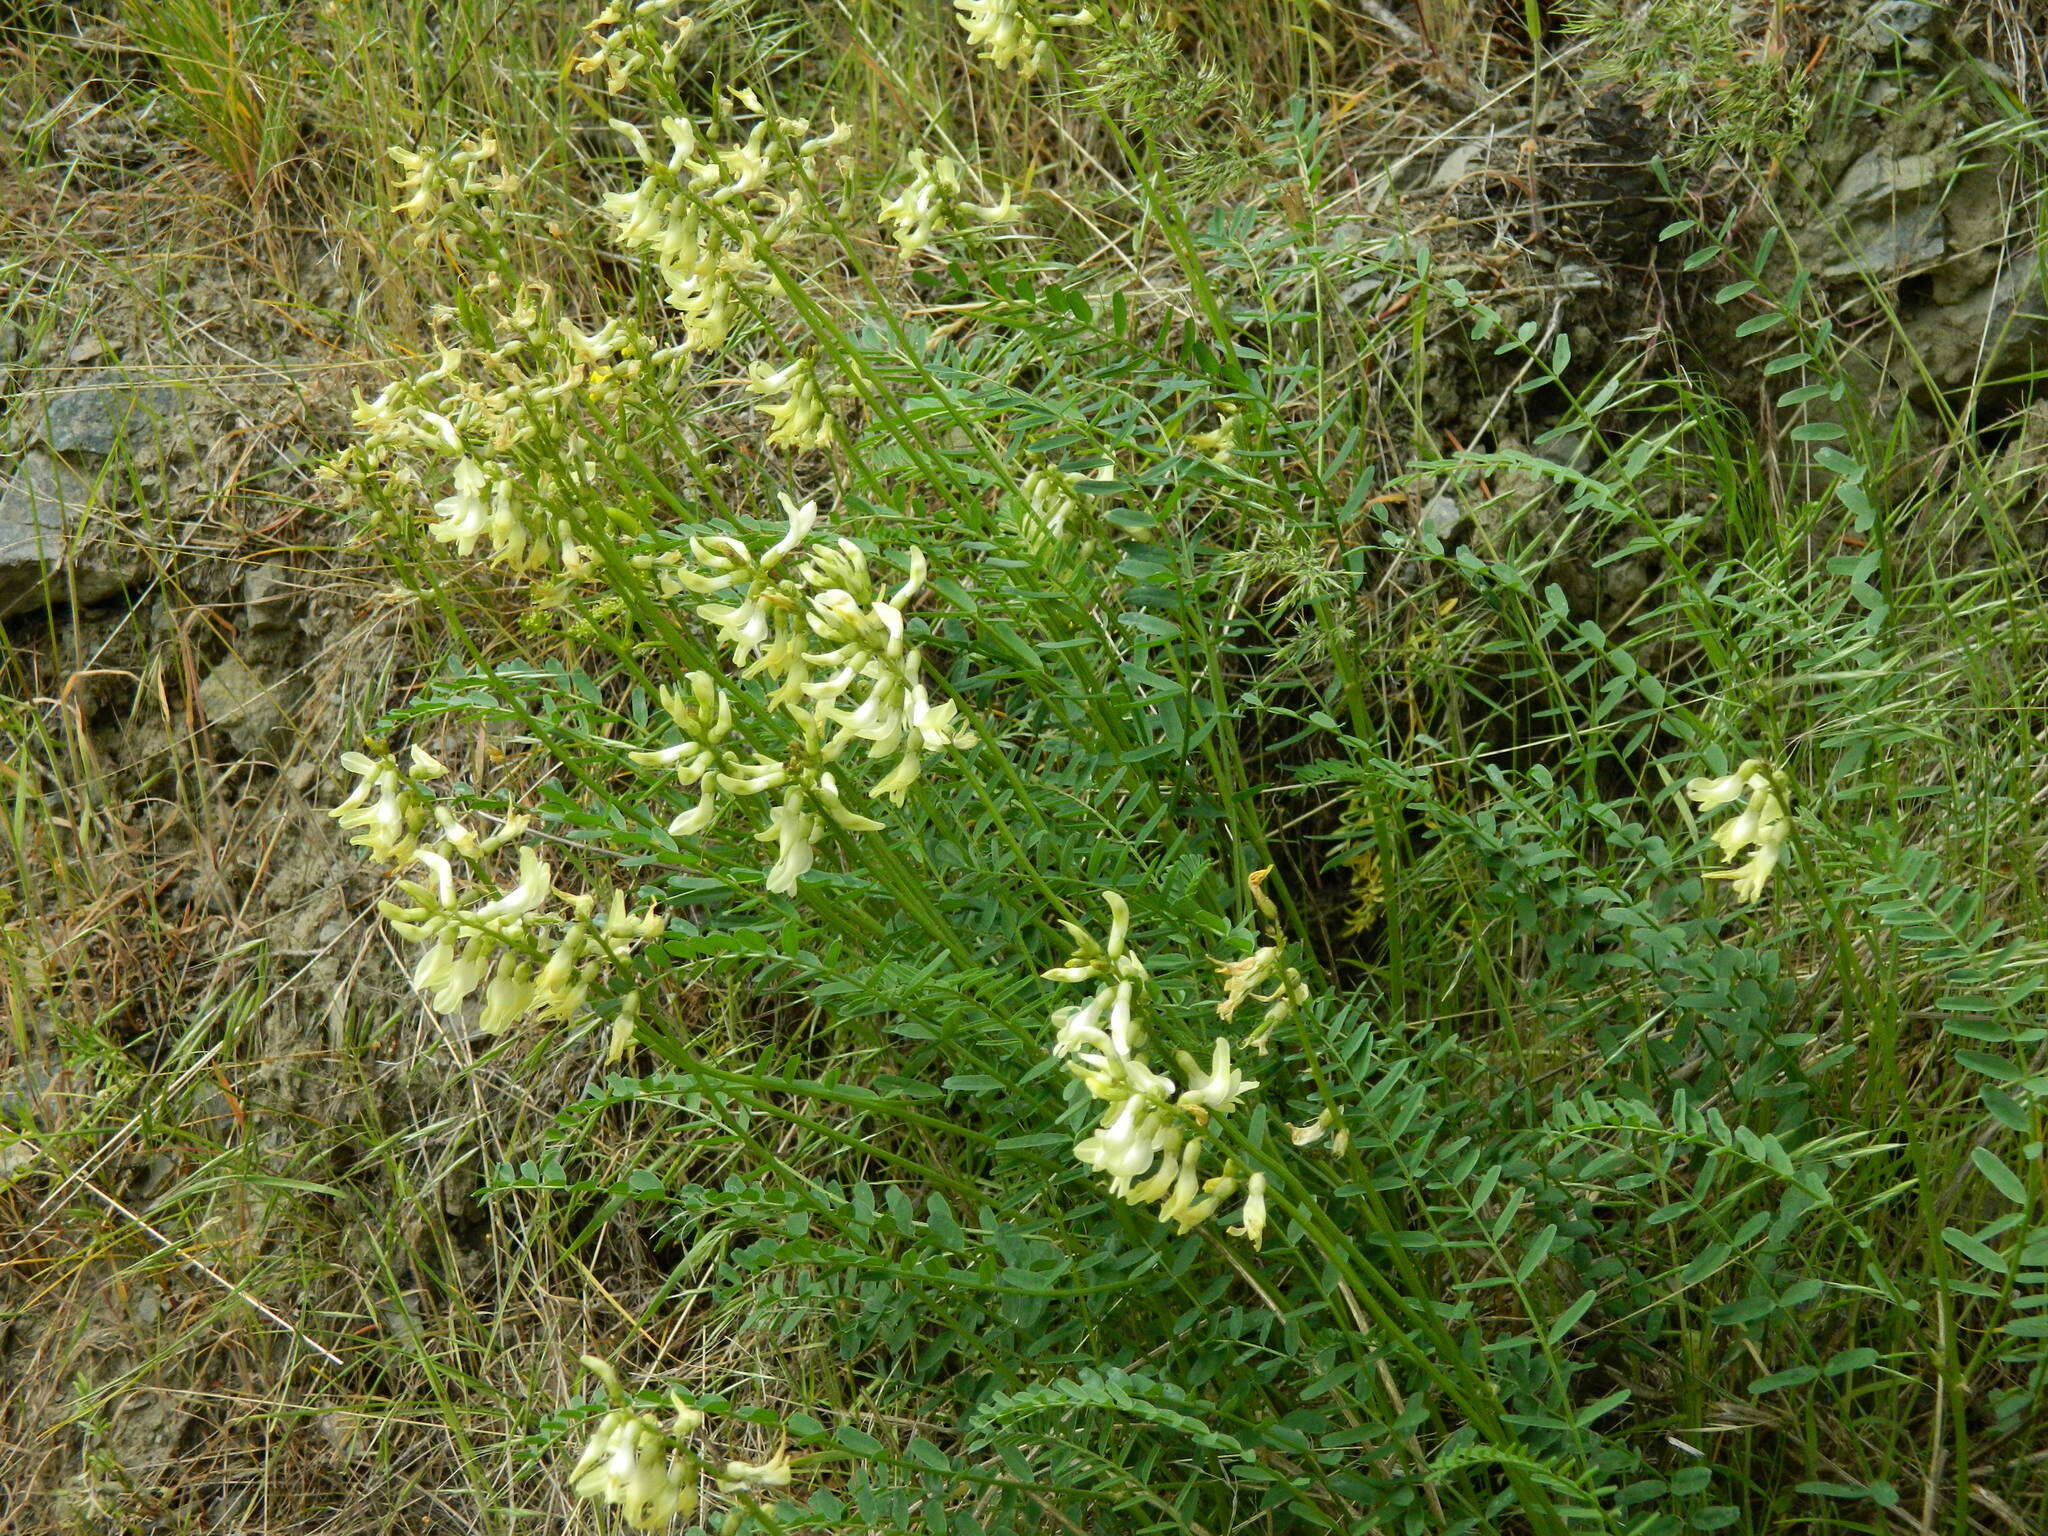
(1883, 176)
(1441, 515)
(1996, 333)
(267, 591)
(1623, 583)
(1569, 450)
(99, 417)
(1461, 163)
(245, 707)
(1976, 207)
(1882, 244)
(45, 548)
(147, 1431)
(22, 1090)
(1886, 216)
(1904, 24)
(148, 1306)
(350, 1437)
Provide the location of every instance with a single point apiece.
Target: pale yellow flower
(1761, 829)
(634, 1464)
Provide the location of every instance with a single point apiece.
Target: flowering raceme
(797, 406)
(631, 1462)
(1150, 1138)
(1763, 826)
(508, 424)
(627, 37)
(933, 203)
(531, 951)
(702, 760)
(1057, 516)
(812, 623)
(451, 189)
(1265, 966)
(1010, 34)
(529, 962)
(651, 1474)
(705, 213)
(1219, 445)
(389, 806)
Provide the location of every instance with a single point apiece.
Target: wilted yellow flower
(1219, 445)
(1325, 1125)
(1252, 1219)
(1265, 966)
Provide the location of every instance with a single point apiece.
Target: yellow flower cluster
(797, 406)
(1220, 444)
(705, 212)
(934, 203)
(1056, 515)
(531, 963)
(508, 422)
(813, 623)
(1265, 966)
(534, 951)
(1010, 34)
(1762, 828)
(389, 806)
(451, 189)
(1150, 1137)
(626, 38)
(650, 1474)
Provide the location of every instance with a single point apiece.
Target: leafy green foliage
(1613, 1156)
